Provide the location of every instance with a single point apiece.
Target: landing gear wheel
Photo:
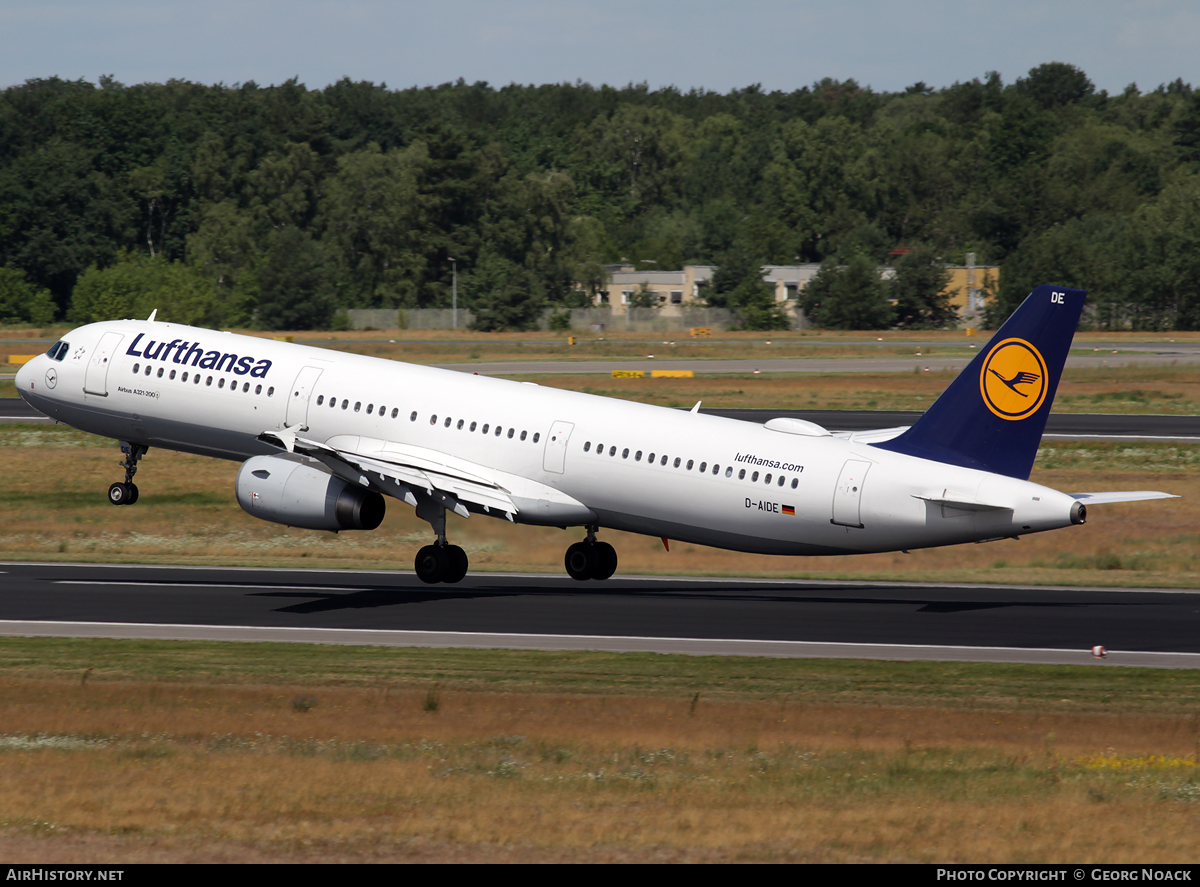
(431, 564)
(606, 561)
(581, 561)
(122, 494)
(456, 564)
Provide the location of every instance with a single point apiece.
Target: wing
(406, 472)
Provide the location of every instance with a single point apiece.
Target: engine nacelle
(288, 490)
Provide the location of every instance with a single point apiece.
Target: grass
(200, 752)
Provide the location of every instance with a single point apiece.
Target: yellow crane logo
(1013, 379)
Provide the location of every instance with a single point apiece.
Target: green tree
(919, 291)
(295, 290)
(848, 297)
(21, 301)
(502, 294)
(136, 284)
(737, 284)
(643, 297)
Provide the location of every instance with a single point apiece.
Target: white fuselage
(652, 470)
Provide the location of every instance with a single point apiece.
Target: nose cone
(26, 374)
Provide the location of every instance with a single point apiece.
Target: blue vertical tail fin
(993, 414)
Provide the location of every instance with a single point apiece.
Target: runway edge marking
(604, 643)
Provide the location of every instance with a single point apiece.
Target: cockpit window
(58, 350)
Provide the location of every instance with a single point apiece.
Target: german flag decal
(1013, 379)
(788, 509)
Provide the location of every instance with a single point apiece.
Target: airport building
(671, 292)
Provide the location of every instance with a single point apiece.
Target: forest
(275, 207)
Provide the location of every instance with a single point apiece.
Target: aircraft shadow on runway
(324, 601)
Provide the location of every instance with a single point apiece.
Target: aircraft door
(847, 495)
(95, 380)
(302, 389)
(556, 446)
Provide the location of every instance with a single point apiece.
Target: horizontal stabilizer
(1120, 496)
(875, 435)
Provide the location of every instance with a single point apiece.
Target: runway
(698, 616)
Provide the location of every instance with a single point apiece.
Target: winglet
(153, 314)
(993, 414)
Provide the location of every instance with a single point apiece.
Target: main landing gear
(590, 559)
(440, 562)
(127, 493)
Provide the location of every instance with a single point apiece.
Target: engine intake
(288, 490)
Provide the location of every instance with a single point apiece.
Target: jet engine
(292, 491)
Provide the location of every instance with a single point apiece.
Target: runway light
(1099, 652)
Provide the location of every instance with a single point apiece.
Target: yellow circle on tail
(1013, 380)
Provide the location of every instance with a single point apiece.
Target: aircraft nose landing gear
(127, 493)
(590, 559)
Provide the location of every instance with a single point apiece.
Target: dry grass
(151, 771)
